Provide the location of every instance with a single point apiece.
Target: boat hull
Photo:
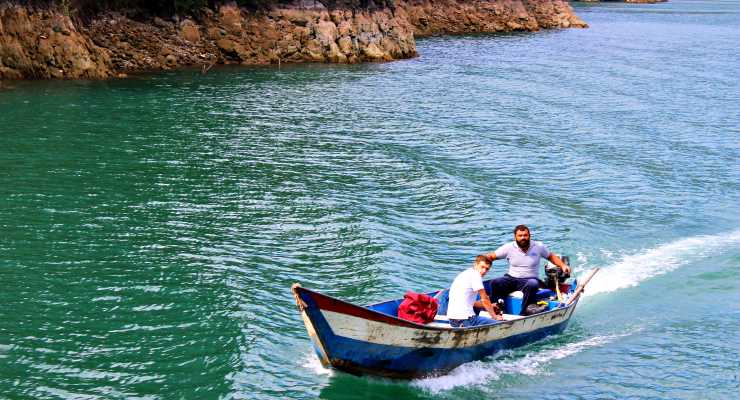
(362, 341)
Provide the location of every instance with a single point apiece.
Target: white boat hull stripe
(389, 335)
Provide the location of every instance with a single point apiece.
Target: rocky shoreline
(624, 1)
(45, 43)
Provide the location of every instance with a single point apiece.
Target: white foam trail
(310, 361)
(5, 348)
(633, 269)
(481, 373)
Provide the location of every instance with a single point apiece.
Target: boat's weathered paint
(317, 345)
(378, 332)
(359, 340)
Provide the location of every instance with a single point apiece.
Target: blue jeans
(475, 320)
(502, 286)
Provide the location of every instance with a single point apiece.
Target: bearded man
(524, 267)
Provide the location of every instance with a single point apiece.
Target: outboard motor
(555, 274)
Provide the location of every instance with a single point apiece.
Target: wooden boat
(373, 340)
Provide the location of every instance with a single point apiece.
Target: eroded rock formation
(47, 44)
(454, 16)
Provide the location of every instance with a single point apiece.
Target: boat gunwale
(404, 323)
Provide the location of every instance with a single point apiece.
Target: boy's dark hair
(521, 228)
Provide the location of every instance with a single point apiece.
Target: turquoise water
(152, 227)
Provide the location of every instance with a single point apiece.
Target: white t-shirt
(521, 264)
(463, 292)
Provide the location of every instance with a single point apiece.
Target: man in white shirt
(524, 266)
(463, 292)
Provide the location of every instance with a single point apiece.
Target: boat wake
(481, 373)
(311, 362)
(633, 269)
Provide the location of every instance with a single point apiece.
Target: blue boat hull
(360, 340)
(358, 357)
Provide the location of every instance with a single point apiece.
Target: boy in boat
(466, 286)
(524, 265)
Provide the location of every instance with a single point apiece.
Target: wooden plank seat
(441, 321)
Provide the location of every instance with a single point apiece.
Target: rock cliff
(46, 43)
(455, 17)
(624, 1)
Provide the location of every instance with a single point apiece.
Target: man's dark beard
(523, 244)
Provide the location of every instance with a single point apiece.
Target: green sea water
(150, 228)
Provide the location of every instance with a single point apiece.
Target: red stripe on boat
(331, 304)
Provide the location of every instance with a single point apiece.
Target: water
(151, 227)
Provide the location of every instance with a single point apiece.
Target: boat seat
(441, 321)
(511, 317)
(507, 317)
(436, 324)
